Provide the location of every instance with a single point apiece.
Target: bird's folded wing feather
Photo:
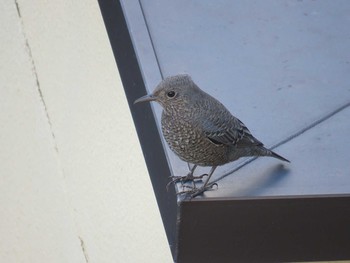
(228, 131)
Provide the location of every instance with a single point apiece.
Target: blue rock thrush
(200, 130)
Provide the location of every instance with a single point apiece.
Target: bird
(200, 130)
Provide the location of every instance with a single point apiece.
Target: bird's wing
(228, 130)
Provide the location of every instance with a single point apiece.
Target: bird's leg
(186, 178)
(197, 191)
(205, 187)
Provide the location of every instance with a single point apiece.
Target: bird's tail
(273, 154)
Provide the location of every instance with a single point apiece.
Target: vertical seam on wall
(29, 51)
(42, 100)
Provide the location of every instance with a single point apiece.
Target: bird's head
(172, 92)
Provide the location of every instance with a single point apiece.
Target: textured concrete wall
(73, 183)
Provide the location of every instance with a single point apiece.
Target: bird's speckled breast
(190, 144)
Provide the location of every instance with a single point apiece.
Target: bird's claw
(198, 191)
(177, 179)
(184, 179)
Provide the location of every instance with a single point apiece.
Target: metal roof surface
(282, 67)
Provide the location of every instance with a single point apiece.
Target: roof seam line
(312, 125)
(293, 136)
(151, 40)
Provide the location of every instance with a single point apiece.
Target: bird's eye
(171, 94)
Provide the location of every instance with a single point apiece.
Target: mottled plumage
(199, 129)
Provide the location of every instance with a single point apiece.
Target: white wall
(73, 182)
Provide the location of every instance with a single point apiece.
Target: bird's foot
(193, 192)
(184, 179)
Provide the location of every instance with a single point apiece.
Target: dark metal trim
(281, 229)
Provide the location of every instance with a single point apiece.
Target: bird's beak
(149, 97)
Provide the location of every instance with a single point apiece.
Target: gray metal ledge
(277, 65)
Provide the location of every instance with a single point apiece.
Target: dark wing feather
(220, 126)
(229, 131)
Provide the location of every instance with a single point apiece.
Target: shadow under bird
(200, 130)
